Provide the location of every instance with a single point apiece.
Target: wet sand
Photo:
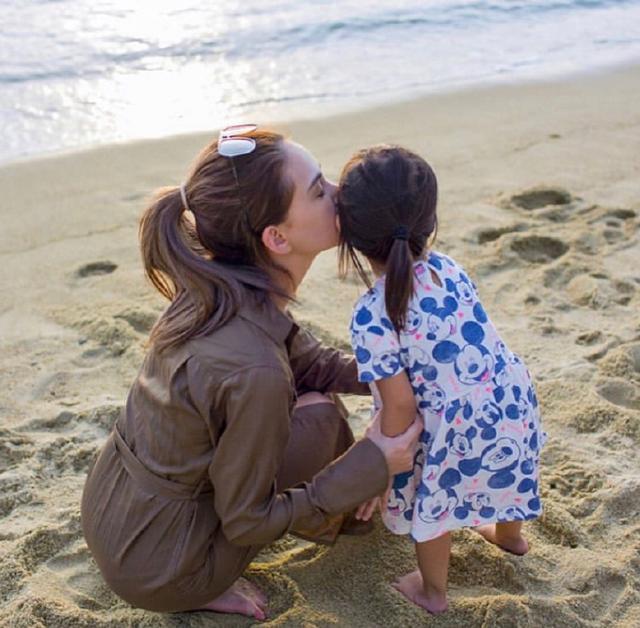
(540, 201)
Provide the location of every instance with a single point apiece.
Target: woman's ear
(338, 223)
(275, 241)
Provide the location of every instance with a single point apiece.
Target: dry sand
(540, 200)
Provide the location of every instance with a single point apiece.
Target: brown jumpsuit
(209, 462)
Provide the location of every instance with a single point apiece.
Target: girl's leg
(506, 535)
(427, 586)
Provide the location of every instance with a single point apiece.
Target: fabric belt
(152, 482)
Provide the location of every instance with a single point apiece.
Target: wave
(260, 37)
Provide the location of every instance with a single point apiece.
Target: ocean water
(76, 73)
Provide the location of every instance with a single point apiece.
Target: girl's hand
(398, 450)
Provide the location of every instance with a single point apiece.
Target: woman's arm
(254, 404)
(398, 404)
(321, 368)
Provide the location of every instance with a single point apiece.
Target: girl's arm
(397, 414)
(398, 404)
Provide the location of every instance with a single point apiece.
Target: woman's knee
(313, 398)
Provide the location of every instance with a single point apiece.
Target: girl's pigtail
(398, 288)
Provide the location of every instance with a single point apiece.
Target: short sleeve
(457, 281)
(374, 340)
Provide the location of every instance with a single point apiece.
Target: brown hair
(201, 256)
(387, 200)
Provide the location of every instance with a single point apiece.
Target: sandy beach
(539, 200)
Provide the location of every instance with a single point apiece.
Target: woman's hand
(398, 450)
(365, 511)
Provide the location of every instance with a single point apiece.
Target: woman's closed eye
(320, 191)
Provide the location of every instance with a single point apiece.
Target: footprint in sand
(539, 197)
(613, 217)
(620, 393)
(589, 338)
(621, 501)
(602, 580)
(30, 552)
(559, 527)
(622, 361)
(13, 448)
(113, 333)
(474, 560)
(539, 249)
(599, 292)
(75, 569)
(610, 227)
(573, 483)
(102, 416)
(613, 235)
(64, 455)
(96, 268)
(550, 203)
(142, 320)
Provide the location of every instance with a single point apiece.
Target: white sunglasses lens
(238, 129)
(234, 146)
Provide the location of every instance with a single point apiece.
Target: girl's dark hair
(201, 257)
(387, 207)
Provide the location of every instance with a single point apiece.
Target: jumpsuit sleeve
(321, 368)
(255, 403)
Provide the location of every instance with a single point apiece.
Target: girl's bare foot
(513, 543)
(241, 597)
(412, 587)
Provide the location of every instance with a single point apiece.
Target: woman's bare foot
(513, 543)
(412, 587)
(241, 597)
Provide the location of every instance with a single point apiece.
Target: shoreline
(368, 103)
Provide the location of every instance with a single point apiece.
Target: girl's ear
(338, 223)
(275, 241)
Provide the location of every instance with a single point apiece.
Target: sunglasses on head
(232, 143)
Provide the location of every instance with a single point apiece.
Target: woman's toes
(253, 592)
(257, 591)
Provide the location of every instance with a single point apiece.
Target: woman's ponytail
(179, 267)
(160, 241)
(398, 288)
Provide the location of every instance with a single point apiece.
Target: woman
(229, 439)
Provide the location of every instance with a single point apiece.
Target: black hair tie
(401, 232)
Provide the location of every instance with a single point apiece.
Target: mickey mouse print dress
(478, 455)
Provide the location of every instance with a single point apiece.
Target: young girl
(425, 344)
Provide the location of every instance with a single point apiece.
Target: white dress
(477, 460)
